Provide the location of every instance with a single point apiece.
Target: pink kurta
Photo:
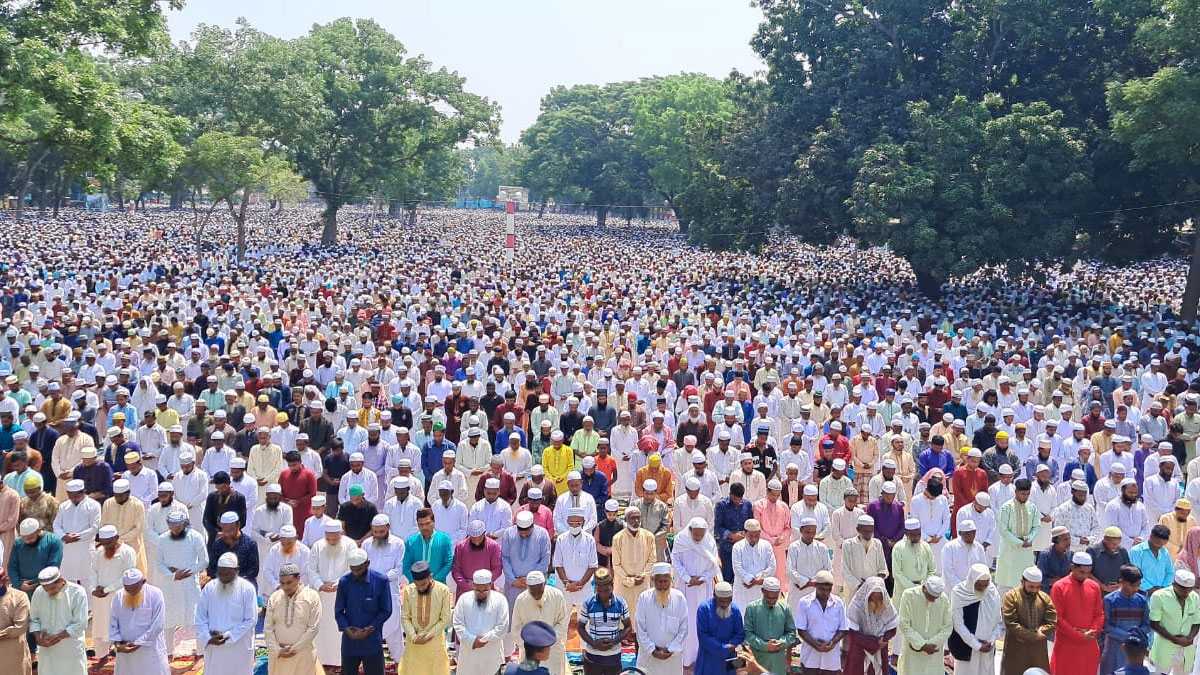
(776, 521)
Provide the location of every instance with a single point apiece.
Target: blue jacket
(362, 603)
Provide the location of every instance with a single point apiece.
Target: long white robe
(156, 526)
(387, 558)
(83, 520)
(191, 489)
(266, 523)
(232, 610)
(106, 573)
(659, 626)
(188, 553)
(497, 516)
(575, 555)
(275, 561)
(803, 563)
(489, 623)
(68, 610)
(694, 560)
(750, 562)
(142, 626)
(248, 489)
(326, 564)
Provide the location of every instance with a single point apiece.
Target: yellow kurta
(66, 456)
(265, 463)
(1178, 531)
(294, 622)
(551, 608)
(558, 462)
(425, 616)
(130, 520)
(632, 556)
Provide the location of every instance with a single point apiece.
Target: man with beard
(1129, 514)
(540, 602)
(661, 624)
(136, 627)
(233, 540)
(770, 628)
(356, 514)
(269, 518)
(225, 618)
(386, 553)
(362, 608)
(1079, 517)
(58, 617)
(959, 555)
(192, 490)
(109, 563)
(862, 557)
(480, 622)
(425, 616)
(327, 562)
(181, 558)
(806, 558)
(477, 552)
(224, 499)
(292, 618)
(284, 551)
(14, 623)
(720, 630)
(76, 524)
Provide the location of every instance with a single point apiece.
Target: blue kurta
(726, 519)
(438, 552)
(360, 604)
(1121, 614)
(714, 636)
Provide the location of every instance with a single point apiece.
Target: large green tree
(1156, 117)
(378, 110)
(973, 185)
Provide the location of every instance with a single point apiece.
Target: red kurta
(300, 486)
(965, 485)
(1080, 607)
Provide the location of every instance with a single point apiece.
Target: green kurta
(763, 624)
(1013, 558)
(912, 564)
(923, 622)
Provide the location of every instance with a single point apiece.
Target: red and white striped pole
(510, 231)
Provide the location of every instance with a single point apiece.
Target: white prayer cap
(723, 589)
(1079, 485)
(698, 522)
(808, 521)
(49, 575)
(966, 526)
(839, 464)
(274, 488)
(1041, 468)
(401, 482)
(983, 499)
(131, 576)
(491, 484)
(120, 486)
(1128, 480)
(889, 463)
(380, 520)
(660, 568)
(524, 520)
(974, 452)
(810, 489)
(318, 500)
(752, 525)
(482, 577)
(1185, 578)
(773, 484)
(610, 505)
(448, 454)
(1005, 470)
(229, 518)
(770, 584)
(1033, 574)
(866, 521)
(189, 457)
(650, 485)
(476, 528)
(357, 457)
(935, 586)
(333, 526)
(698, 457)
(356, 557)
(1081, 558)
(107, 532)
(288, 532)
(823, 577)
(237, 463)
(535, 578)
(629, 511)
(909, 524)
(75, 485)
(574, 475)
(228, 561)
(889, 488)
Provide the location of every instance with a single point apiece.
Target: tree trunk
(58, 185)
(240, 219)
(329, 218)
(176, 200)
(601, 215)
(412, 215)
(1191, 291)
(393, 208)
(929, 284)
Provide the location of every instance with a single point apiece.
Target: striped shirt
(604, 622)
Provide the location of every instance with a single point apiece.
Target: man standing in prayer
(109, 562)
(721, 631)
(1126, 610)
(776, 522)
(662, 623)
(292, 619)
(574, 560)
(633, 556)
(14, 627)
(961, 554)
(425, 616)
(58, 617)
(386, 553)
(128, 515)
(225, 618)
(770, 628)
(76, 524)
(977, 623)
(269, 518)
(1175, 617)
(821, 623)
(136, 627)
(361, 608)
(862, 557)
(540, 602)
(753, 561)
(1029, 621)
(181, 556)
(328, 561)
(806, 557)
(697, 566)
(925, 624)
(1018, 522)
(480, 623)
(1080, 619)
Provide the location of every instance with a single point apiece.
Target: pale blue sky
(513, 52)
